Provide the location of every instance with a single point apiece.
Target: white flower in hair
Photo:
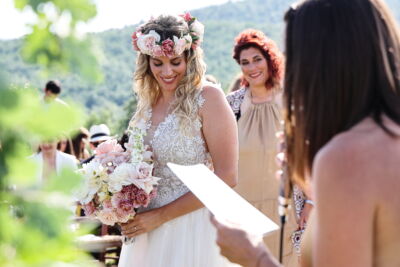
(189, 40)
(147, 42)
(198, 29)
(181, 44)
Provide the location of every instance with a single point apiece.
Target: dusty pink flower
(122, 216)
(180, 45)
(108, 147)
(89, 208)
(141, 199)
(112, 159)
(157, 51)
(144, 170)
(134, 41)
(122, 202)
(186, 16)
(150, 42)
(168, 47)
(129, 192)
(107, 204)
(107, 217)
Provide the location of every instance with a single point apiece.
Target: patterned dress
(189, 240)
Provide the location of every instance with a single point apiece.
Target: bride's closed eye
(176, 63)
(157, 63)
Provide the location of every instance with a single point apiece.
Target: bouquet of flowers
(118, 181)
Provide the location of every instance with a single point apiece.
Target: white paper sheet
(221, 200)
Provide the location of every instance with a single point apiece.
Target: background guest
(51, 161)
(80, 142)
(258, 117)
(52, 91)
(98, 134)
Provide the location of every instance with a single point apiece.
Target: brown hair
(344, 71)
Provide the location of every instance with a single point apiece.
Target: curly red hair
(257, 39)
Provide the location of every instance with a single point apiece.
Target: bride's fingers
(127, 227)
(131, 229)
(135, 233)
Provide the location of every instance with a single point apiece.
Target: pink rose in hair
(134, 41)
(168, 47)
(150, 42)
(180, 45)
(157, 51)
(187, 17)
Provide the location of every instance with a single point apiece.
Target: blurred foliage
(35, 228)
(35, 224)
(54, 43)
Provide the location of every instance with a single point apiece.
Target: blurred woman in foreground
(342, 93)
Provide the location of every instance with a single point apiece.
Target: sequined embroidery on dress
(169, 144)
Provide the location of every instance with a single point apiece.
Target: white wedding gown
(189, 240)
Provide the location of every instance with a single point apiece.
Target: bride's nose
(167, 70)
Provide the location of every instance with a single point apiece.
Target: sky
(110, 14)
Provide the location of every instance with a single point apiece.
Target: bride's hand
(142, 223)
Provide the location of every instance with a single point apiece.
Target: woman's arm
(344, 207)
(220, 133)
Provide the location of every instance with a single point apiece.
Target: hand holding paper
(221, 200)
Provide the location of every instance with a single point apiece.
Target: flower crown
(151, 44)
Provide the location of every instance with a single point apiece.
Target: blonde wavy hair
(148, 89)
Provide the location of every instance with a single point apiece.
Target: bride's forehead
(167, 59)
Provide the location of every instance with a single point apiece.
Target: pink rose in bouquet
(89, 208)
(118, 181)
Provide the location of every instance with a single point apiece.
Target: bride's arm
(220, 133)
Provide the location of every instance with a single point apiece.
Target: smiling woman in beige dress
(259, 119)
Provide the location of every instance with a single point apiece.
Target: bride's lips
(168, 80)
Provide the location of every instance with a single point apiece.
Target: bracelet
(309, 201)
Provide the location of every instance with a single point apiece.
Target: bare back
(356, 179)
(387, 216)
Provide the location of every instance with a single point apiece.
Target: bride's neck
(166, 98)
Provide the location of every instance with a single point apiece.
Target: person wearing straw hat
(98, 134)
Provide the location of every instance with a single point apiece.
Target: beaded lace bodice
(170, 144)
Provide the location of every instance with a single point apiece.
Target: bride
(189, 122)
